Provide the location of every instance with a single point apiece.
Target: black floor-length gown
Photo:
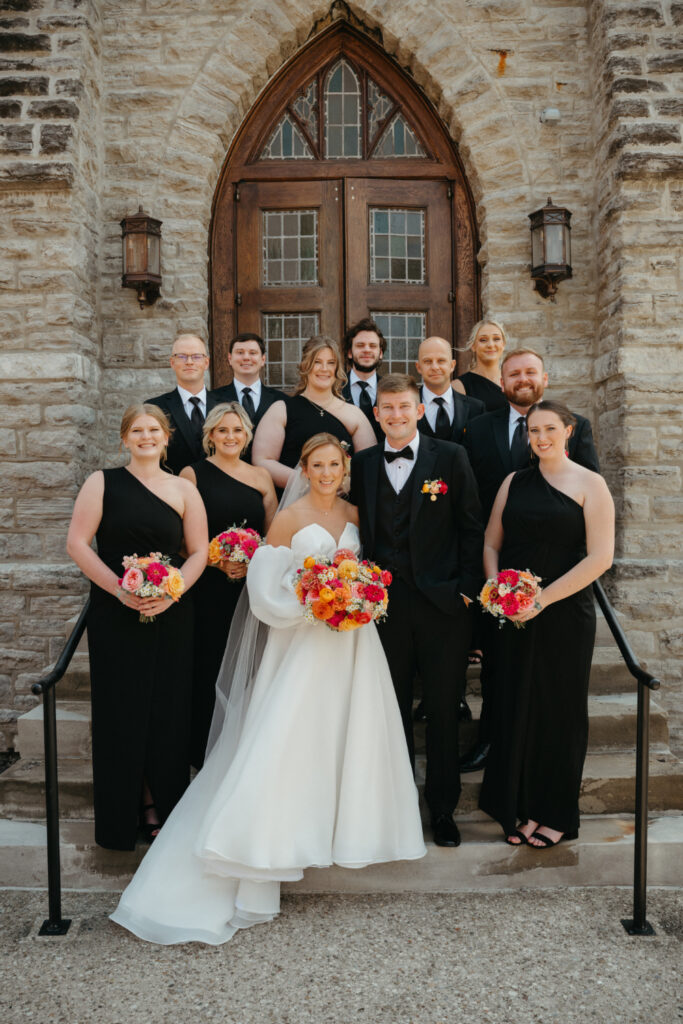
(478, 386)
(304, 420)
(540, 728)
(228, 502)
(140, 673)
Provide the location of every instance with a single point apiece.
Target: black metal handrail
(55, 924)
(638, 924)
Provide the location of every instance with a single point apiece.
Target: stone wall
(108, 104)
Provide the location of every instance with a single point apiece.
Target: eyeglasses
(196, 357)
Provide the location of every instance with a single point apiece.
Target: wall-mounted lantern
(141, 236)
(550, 248)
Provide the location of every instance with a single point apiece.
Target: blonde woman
(486, 344)
(140, 672)
(234, 494)
(316, 405)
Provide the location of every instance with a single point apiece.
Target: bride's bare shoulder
(283, 528)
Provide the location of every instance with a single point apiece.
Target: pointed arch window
(398, 139)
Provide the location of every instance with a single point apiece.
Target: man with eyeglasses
(189, 402)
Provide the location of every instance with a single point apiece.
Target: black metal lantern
(550, 248)
(141, 236)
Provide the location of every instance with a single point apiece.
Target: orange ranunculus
(347, 624)
(143, 562)
(309, 562)
(485, 595)
(341, 598)
(326, 593)
(174, 583)
(322, 610)
(299, 591)
(341, 555)
(215, 552)
(348, 569)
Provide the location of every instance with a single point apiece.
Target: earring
(212, 448)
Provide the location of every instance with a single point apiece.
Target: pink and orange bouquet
(236, 544)
(152, 576)
(343, 592)
(509, 592)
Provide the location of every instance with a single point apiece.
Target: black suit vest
(392, 534)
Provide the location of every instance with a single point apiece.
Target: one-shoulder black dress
(478, 386)
(140, 673)
(228, 502)
(304, 420)
(540, 728)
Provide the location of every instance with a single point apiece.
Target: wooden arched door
(342, 197)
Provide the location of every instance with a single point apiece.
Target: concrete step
(603, 855)
(73, 731)
(608, 786)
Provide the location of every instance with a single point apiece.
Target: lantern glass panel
(537, 256)
(567, 244)
(153, 255)
(554, 243)
(134, 254)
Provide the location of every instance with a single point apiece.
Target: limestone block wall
(108, 104)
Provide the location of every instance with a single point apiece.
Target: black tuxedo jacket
(487, 444)
(228, 393)
(183, 448)
(446, 535)
(464, 410)
(348, 397)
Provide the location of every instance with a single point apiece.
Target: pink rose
(386, 577)
(132, 580)
(525, 601)
(335, 619)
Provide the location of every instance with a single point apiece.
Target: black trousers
(419, 639)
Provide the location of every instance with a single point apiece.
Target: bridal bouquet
(342, 592)
(237, 544)
(509, 592)
(152, 576)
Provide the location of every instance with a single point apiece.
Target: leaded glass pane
(397, 246)
(306, 106)
(342, 112)
(399, 139)
(286, 143)
(379, 107)
(290, 248)
(284, 335)
(404, 333)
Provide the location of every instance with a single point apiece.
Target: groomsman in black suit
(447, 412)
(363, 348)
(497, 444)
(432, 544)
(247, 357)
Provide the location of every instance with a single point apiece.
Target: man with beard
(363, 347)
(497, 444)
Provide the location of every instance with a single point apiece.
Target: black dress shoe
(464, 711)
(445, 831)
(476, 758)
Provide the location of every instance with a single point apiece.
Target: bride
(307, 763)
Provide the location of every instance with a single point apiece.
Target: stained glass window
(399, 139)
(306, 107)
(397, 246)
(284, 335)
(379, 106)
(286, 143)
(342, 112)
(290, 247)
(404, 332)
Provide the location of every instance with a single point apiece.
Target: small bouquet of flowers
(509, 592)
(342, 592)
(236, 544)
(152, 576)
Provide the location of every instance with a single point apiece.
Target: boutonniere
(433, 488)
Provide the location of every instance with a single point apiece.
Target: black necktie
(519, 449)
(442, 427)
(248, 403)
(364, 404)
(197, 419)
(405, 453)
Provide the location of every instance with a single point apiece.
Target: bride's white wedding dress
(320, 775)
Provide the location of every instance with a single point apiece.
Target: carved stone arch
(438, 162)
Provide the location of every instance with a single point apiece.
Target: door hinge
(238, 299)
(237, 193)
(451, 296)
(449, 192)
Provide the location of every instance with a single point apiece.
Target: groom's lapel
(424, 467)
(372, 469)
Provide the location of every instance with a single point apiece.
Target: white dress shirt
(188, 406)
(399, 470)
(431, 407)
(254, 388)
(357, 390)
(515, 417)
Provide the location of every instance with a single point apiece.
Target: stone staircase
(602, 855)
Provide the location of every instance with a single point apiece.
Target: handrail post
(55, 924)
(638, 925)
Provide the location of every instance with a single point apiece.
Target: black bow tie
(405, 453)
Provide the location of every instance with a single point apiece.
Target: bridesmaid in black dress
(555, 518)
(487, 343)
(234, 494)
(316, 407)
(140, 673)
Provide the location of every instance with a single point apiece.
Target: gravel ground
(529, 956)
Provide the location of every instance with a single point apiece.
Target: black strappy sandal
(519, 835)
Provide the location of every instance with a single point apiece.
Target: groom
(432, 544)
